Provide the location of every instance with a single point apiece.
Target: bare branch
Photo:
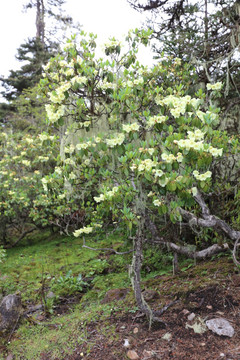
(186, 250)
(210, 221)
(21, 237)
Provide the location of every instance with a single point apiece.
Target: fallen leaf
(167, 336)
(135, 330)
(132, 355)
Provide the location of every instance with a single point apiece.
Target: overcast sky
(103, 17)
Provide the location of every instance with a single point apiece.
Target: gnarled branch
(208, 220)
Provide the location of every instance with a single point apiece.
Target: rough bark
(209, 221)
(40, 25)
(135, 276)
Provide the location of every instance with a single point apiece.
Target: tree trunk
(40, 25)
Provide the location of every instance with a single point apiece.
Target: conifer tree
(205, 33)
(36, 51)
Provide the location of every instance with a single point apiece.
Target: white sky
(103, 17)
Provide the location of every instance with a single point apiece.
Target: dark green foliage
(205, 33)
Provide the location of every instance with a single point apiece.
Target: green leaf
(171, 186)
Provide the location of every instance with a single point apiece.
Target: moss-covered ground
(70, 283)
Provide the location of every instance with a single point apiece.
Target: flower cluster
(189, 144)
(196, 135)
(216, 86)
(107, 85)
(112, 43)
(131, 127)
(84, 230)
(117, 140)
(208, 114)
(26, 162)
(79, 80)
(54, 114)
(44, 137)
(202, 177)
(177, 105)
(214, 151)
(157, 119)
(133, 83)
(169, 158)
(85, 145)
(58, 95)
(146, 165)
(157, 172)
(149, 150)
(69, 149)
(108, 195)
(43, 158)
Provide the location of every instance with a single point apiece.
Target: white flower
(99, 198)
(158, 173)
(168, 158)
(215, 152)
(194, 191)
(157, 202)
(72, 176)
(133, 167)
(150, 194)
(26, 162)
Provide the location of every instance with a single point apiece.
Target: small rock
(167, 336)
(132, 355)
(10, 311)
(209, 307)
(191, 317)
(135, 330)
(220, 326)
(203, 344)
(185, 312)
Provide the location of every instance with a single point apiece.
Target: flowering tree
(24, 205)
(151, 148)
